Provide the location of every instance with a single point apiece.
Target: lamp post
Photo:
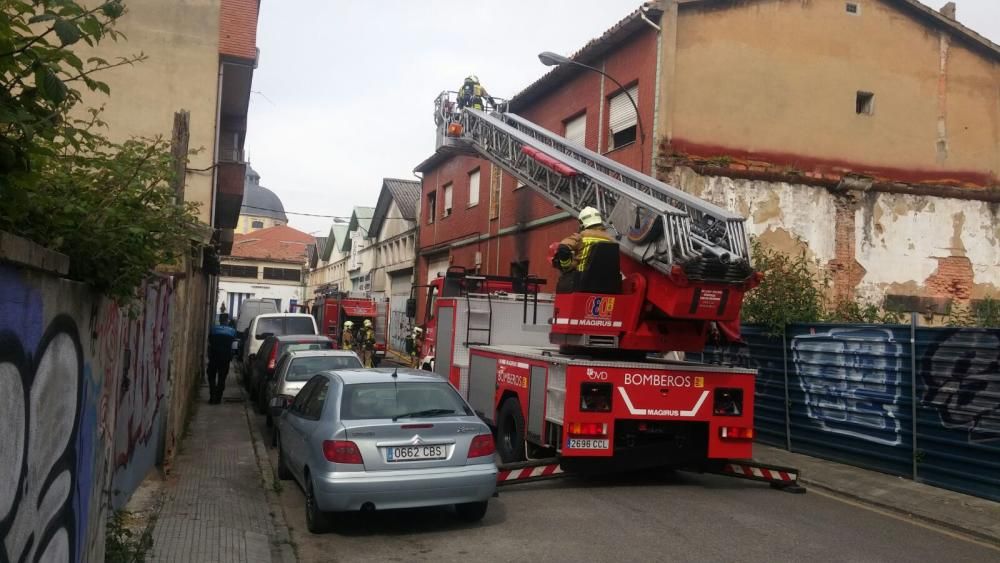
(549, 58)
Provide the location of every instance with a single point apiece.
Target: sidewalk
(215, 507)
(967, 514)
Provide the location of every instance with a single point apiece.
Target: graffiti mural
(851, 379)
(39, 396)
(961, 377)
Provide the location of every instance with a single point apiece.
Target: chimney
(948, 11)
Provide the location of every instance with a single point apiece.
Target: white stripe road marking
(628, 403)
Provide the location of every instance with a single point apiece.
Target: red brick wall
(633, 62)
(238, 28)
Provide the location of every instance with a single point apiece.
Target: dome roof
(259, 201)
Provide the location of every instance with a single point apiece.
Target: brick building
(865, 137)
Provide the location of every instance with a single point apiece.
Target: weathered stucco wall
(83, 401)
(872, 244)
(775, 81)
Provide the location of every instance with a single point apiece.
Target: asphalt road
(655, 516)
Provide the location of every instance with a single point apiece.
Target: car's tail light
(482, 445)
(273, 359)
(728, 402)
(595, 397)
(736, 433)
(587, 429)
(342, 451)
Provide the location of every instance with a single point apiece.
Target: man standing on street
(220, 353)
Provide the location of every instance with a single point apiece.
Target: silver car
(376, 439)
(297, 367)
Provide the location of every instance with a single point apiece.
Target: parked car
(247, 312)
(379, 439)
(272, 324)
(267, 357)
(294, 369)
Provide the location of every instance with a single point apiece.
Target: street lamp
(549, 58)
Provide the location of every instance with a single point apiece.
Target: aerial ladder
(684, 262)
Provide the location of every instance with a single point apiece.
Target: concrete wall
(873, 245)
(84, 402)
(181, 41)
(776, 81)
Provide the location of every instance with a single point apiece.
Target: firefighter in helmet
(368, 344)
(347, 336)
(418, 346)
(472, 94)
(573, 252)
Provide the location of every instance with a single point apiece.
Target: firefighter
(417, 348)
(347, 336)
(368, 344)
(574, 250)
(472, 94)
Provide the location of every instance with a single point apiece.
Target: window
(447, 200)
(302, 369)
(852, 8)
(864, 103)
(235, 271)
(365, 401)
(474, 188)
(431, 207)
(576, 128)
(257, 225)
(622, 118)
(279, 326)
(284, 274)
(298, 404)
(313, 407)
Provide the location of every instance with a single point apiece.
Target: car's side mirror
(411, 307)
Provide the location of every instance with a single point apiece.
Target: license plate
(587, 444)
(415, 453)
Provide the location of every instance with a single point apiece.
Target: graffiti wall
(82, 386)
(852, 392)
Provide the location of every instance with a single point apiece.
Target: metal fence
(922, 403)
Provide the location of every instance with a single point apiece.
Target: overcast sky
(343, 96)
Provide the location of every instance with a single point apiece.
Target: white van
(250, 308)
(277, 324)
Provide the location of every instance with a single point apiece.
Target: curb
(281, 547)
(888, 507)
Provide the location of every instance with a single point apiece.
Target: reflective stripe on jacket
(581, 243)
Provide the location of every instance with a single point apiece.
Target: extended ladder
(658, 224)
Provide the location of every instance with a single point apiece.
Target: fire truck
(583, 373)
(333, 309)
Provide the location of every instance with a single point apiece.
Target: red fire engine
(333, 309)
(583, 374)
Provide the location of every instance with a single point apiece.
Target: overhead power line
(344, 217)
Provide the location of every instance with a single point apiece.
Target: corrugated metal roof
(338, 232)
(405, 193)
(361, 219)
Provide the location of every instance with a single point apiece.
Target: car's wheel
(284, 473)
(510, 431)
(472, 511)
(317, 521)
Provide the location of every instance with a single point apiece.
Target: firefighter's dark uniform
(418, 346)
(579, 245)
(347, 340)
(472, 94)
(368, 346)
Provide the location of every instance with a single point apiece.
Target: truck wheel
(510, 431)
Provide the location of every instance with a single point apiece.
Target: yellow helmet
(472, 78)
(368, 323)
(349, 324)
(590, 217)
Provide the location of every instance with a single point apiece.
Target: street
(646, 517)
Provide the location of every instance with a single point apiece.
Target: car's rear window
(297, 346)
(386, 400)
(304, 368)
(285, 325)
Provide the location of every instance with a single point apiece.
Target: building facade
(266, 264)
(866, 137)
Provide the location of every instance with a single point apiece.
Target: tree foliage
(63, 183)
(789, 293)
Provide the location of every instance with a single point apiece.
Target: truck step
(535, 470)
(782, 478)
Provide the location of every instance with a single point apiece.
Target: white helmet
(368, 323)
(417, 330)
(349, 324)
(590, 217)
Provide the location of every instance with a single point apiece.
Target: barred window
(237, 271)
(285, 274)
